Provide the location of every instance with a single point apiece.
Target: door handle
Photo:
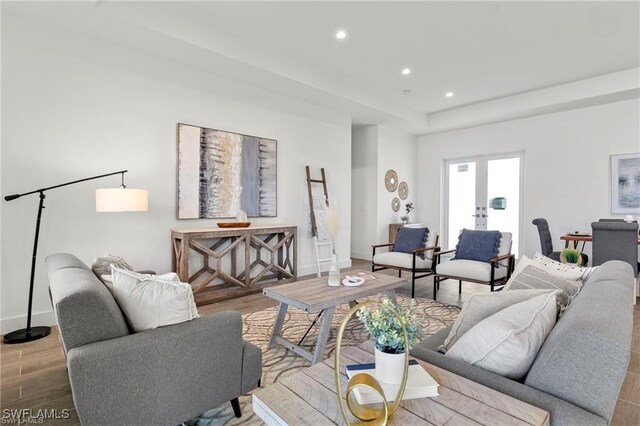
(475, 215)
(484, 215)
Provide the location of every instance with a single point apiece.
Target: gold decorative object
(395, 204)
(391, 180)
(403, 190)
(369, 415)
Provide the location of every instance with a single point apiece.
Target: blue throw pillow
(409, 239)
(478, 245)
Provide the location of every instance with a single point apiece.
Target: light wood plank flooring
(33, 375)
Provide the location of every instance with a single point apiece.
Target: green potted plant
(387, 332)
(570, 255)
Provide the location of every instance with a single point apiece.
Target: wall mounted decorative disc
(391, 180)
(403, 190)
(395, 204)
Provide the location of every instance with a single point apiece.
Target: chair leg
(436, 285)
(413, 285)
(492, 286)
(399, 273)
(459, 286)
(235, 404)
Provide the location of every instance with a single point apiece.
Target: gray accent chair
(164, 376)
(578, 372)
(615, 240)
(546, 243)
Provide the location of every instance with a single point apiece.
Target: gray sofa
(158, 377)
(578, 372)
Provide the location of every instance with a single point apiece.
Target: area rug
(278, 362)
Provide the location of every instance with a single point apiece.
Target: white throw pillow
(483, 305)
(149, 302)
(107, 280)
(562, 270)
(533, 277)
(507, 342)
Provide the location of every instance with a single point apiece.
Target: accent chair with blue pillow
(412, 251)
(482, 257)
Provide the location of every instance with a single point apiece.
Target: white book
(419, 384)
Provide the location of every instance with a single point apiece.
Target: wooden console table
(239, 278)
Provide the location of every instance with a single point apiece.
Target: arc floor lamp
(107, 200)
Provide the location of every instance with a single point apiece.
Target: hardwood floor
(33, 375)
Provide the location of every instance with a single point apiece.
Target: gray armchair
(164, 376)
(614, 240)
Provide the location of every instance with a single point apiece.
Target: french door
(483, 192)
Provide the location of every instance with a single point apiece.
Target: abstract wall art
(221, 173)
(625, 183)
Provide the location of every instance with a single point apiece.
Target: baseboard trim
(361, 255)
(8, 325)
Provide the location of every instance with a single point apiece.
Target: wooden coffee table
(308, 398)
(314, 295)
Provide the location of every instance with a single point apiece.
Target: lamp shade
(122, 200)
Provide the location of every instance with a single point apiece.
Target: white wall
(397, 151)
(375, 150)
(566, 164)
(68, 114)
(364, 197)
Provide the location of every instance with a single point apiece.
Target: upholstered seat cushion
(401, 260)
(470, 269)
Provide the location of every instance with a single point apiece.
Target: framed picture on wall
(221, 173)
(625, 183)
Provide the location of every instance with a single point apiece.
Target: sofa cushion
(402, 260)
(150, 302)
(562, 413)
(483, 305)
(562, 270)
(507, 342)
(478, 245)
(531, 277)
(585, 357)
(470, 269)
(102, 265)
(107, 280)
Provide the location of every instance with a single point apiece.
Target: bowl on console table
(234, 224)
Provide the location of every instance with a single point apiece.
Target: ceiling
(481, 51)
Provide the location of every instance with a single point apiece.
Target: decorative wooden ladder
(314, 225)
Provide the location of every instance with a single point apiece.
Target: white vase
(389, 367)
(334, 272)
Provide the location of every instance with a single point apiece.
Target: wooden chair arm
(423, 249)
(499, 258)
(439, 253)
(381, 245)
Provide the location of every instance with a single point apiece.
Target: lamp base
(23, 336)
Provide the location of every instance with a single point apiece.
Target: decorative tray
(234, 224)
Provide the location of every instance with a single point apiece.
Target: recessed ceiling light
(406, 71)
(341, 35)
(449, 94)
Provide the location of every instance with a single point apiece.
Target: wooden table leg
(391, 294)
(323, 336)
(183, 266)
(277, 327)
